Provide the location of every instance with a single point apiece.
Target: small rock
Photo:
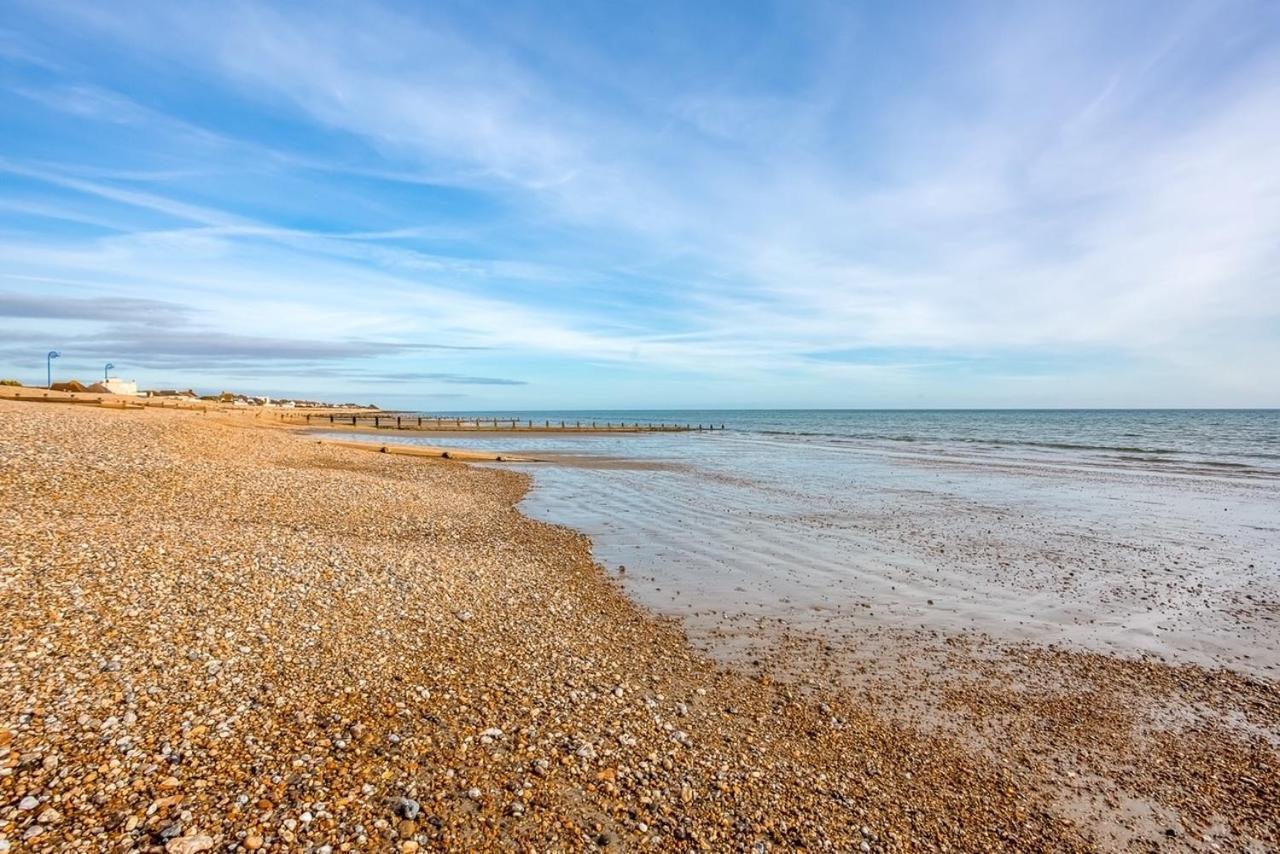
(474, 794)
(28, 803)
(406, 808)
(252, 842)
(463, 616)
(189, 844)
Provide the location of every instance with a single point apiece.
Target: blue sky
(540, 205)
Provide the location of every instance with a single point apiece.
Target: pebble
(326, 587)
(189, 844)
(405, 808)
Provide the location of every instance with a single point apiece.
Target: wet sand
(228, 638)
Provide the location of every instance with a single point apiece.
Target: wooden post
(353, 421)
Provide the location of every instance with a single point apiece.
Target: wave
(973, 440)
(1259, 462)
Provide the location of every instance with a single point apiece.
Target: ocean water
(1246, 440)
(1144, 532)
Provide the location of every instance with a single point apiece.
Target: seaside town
(118, 387)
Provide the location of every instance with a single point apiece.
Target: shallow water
(1151, 532)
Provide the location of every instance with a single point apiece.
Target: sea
(1133, 532)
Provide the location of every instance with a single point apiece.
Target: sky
(537, 205)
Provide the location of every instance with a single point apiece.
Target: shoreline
(273, 599)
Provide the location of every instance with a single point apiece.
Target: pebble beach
(221, 636)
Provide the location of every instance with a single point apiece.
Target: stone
(28, 803)
(189, 844)
(406, 808)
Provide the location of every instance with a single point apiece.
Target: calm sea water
(1244, 440)
(1144, 531)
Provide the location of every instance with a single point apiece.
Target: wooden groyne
(442, 424)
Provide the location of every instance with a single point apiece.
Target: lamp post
(105, 368)
(48, 366)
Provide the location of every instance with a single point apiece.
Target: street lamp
(105, 368)
(48, 366)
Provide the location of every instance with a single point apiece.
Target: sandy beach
(225, 637)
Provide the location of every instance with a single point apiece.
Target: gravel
(212, 633)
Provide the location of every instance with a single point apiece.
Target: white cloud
(1086, 190)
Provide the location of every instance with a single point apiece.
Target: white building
(115, 385)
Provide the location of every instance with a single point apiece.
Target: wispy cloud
(1052, 190)
(143, 311)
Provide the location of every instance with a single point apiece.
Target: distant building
(115, 385)
(188, 394)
